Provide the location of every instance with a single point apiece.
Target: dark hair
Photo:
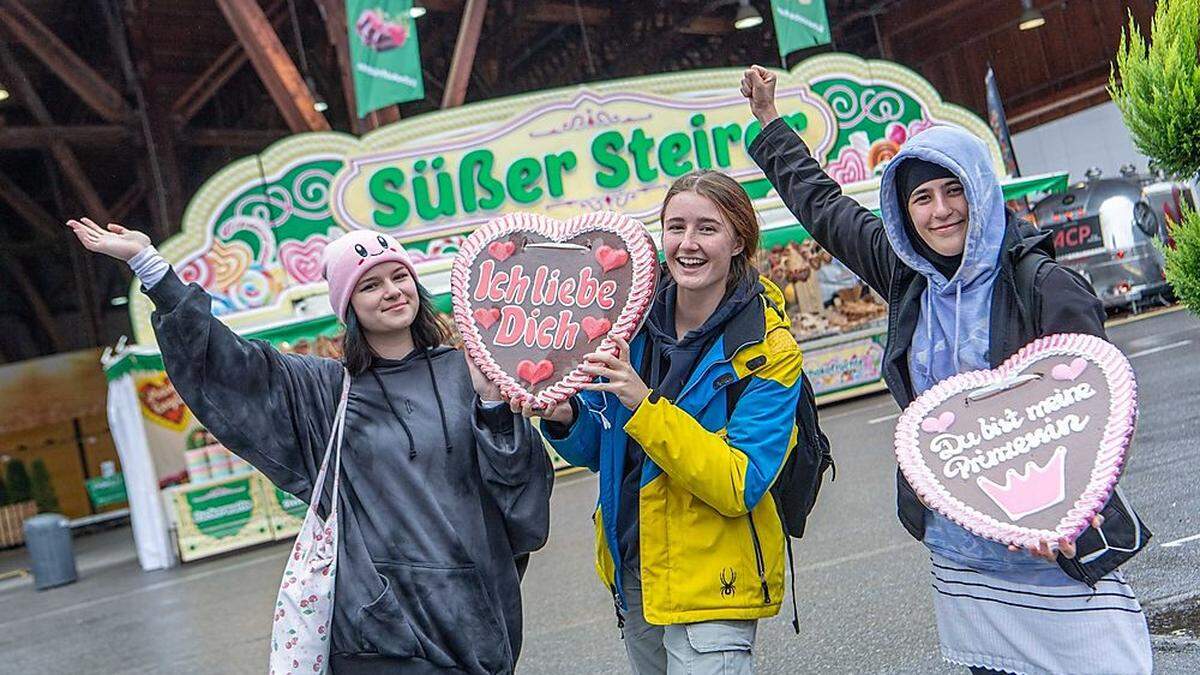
(428, 330)
(733, 203)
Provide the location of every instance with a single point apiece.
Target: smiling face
(385, 298)
(940, 213)
(699, 242)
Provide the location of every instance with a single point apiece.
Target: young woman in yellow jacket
(688, 539)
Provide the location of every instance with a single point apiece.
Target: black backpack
(799, 480)
(796, 487)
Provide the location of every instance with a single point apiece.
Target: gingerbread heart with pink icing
(1027, 452)
(533, 296)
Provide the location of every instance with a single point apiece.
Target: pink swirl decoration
(197, 271)
(1106, 469)
(849, 167)
(643, 257)
(302, 260)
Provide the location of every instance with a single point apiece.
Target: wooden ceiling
(122, 108)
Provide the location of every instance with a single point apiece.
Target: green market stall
(253, 235)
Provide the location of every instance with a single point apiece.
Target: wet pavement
(863, 594)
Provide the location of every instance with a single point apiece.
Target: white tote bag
(304, 608)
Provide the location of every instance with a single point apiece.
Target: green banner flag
(800, 24)
(384, 54)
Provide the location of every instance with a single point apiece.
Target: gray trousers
(705, 648)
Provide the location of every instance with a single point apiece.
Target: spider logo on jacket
(727, 582)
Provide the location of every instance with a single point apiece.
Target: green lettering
(476, 167)
(752, 133)
(386, 187)
(797, 121)
(703, 156)
(522, 179)
(426, 209)
(555, 166)
(674, 148)
(604, 153)
(723, 137)
(639, 147)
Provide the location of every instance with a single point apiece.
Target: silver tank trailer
(1104, 229)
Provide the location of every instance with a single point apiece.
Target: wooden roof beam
(464, 54)
(41, 311)
(246, 139)
(566, 12)
(225, 66)
(37, 138)
(89, 85)
(28, 209)
(273, 65)
(74, 174)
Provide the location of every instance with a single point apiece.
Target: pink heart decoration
(556, 287)
(594, 328)
(937, 424)
(1069, 372)
(501, 250)
(610, 258)
(535, 372)
(302, 261)
(487, 317)
(1030, 458)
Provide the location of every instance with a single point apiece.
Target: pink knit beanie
(349, 257)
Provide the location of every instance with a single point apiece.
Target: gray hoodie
(430, 530)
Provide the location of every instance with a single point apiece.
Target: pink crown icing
(1035, 489)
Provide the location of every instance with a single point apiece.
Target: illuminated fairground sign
(253, 234)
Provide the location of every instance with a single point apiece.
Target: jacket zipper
(758, 560)
(1084, 576)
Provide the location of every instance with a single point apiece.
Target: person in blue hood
(968, 284)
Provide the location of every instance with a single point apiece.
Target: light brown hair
(733, 203)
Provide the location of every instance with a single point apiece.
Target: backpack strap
(1030, 269)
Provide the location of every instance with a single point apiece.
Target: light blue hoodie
(952, 333)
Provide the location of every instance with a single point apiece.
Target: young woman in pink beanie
(444, 489)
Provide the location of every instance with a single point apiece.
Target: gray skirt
(987, 622)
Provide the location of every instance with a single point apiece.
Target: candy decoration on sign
(302, 260)
(1030, 451)
(548, 293)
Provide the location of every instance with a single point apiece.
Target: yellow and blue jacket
(711, 542)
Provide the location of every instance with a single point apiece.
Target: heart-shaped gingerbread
(534, 295)
(1027, 452)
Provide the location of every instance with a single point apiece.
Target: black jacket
(856, 236)
(431, 518)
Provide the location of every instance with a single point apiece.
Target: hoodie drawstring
(412, 446)
(957, 305)
(438, 395)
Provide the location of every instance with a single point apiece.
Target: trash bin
(48, 540)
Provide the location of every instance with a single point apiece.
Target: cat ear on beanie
(349, 257)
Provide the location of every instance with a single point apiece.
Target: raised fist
(758, 86)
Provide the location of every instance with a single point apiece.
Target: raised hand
(116, 241)
(758, 86)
